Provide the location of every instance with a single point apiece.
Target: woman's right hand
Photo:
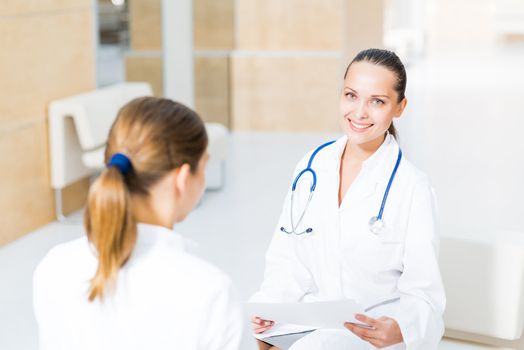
(259, 325)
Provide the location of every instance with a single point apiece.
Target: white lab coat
(342, 259)
(165, 298)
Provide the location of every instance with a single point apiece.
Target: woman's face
(369, 102)
(198, 180)
(193, 187)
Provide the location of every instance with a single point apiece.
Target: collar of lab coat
(381, 163)
(148, 235)
(375, 170)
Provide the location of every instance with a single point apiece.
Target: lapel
(373, 176)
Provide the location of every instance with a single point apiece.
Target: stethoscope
(376, 224)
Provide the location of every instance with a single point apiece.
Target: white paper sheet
(304, 316)
(283, 328)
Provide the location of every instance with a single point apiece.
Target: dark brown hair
(157, 135)
(392, 62)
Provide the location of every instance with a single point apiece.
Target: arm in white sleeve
(422, 297)
(286, 278)
(225, 326)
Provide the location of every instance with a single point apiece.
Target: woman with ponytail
(129, 284)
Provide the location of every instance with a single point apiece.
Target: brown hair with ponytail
(157, 135)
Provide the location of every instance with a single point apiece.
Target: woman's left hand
(382, 332)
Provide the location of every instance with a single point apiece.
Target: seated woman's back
(134, 286)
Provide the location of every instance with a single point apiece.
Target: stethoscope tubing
(386, 193)
(376, 219)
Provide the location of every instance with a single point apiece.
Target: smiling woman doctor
(359, 223)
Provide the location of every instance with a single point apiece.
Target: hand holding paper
(327, 314)
(383, 331)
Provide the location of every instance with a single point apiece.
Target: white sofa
(78, 130)
(483, 274)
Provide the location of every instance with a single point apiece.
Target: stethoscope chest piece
(376, 225)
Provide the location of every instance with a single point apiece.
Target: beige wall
(287, 72)
(264, 64)
(289, 60)
(289, 25)
(145, 25)
(285, 93)
(363, 26)
(144, 60)
(214, 22)
(142, 66)
(213, 40)
(212, 88)
(284, 72)
(47, 53)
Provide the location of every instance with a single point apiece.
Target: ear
(182, 175)
(400, 108)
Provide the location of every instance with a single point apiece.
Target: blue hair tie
(121, 162)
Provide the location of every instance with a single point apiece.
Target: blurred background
(277, 66)
(271, 72)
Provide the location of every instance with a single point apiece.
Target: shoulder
(210, 272)
(412, 174)
(176, 266)
(413, 180)
(63, 269)
(324, 152)
(63, 255)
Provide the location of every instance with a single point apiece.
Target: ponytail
(110, 227)
(149, 138)
(393, 131)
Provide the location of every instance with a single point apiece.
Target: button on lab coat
(165, 298)
(343, 259)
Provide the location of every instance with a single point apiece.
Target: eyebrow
(386, 96)
(352, 90)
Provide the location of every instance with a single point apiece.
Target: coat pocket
(379, 253)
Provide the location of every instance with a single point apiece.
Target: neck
(361, 152)
(146, 212)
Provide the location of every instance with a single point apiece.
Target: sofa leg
(58, 206)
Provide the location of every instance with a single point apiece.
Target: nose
(360, 111)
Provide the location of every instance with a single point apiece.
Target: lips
(359, 127)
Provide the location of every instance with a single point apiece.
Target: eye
(377, 101)
(350, 95)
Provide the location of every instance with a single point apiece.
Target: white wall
(464, 125)
(460, 25)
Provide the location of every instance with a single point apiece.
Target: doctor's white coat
(342, 259)
(165, 298)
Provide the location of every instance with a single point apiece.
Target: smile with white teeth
(360, 126)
